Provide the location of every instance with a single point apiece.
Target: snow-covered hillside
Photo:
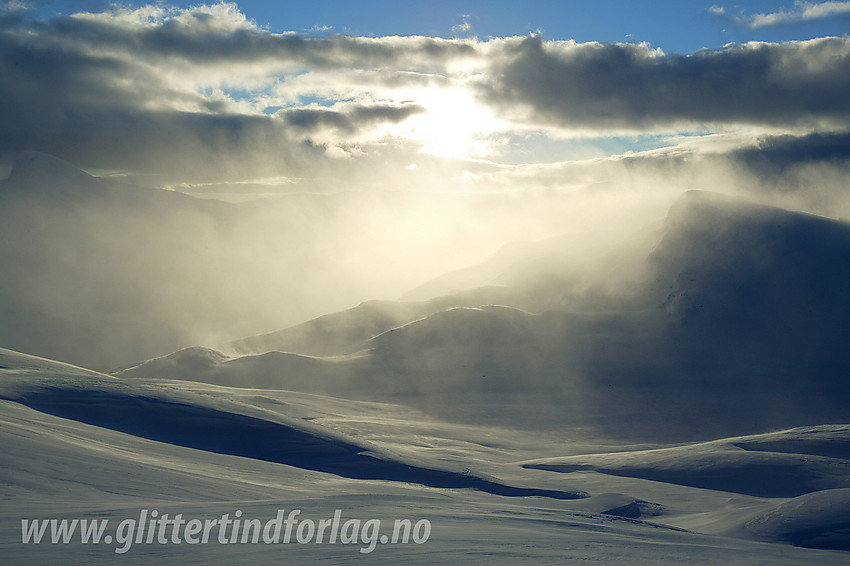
(78, 444)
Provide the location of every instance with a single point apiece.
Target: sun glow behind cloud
(454, 125)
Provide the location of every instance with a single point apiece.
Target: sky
(259, 94)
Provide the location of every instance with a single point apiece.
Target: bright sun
(453, 126)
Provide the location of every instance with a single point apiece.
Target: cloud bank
(204, 94)
(627, 86)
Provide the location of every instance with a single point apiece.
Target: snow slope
(78, 444)
(780, 464)
(226, 427)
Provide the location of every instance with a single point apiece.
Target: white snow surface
(79, 444)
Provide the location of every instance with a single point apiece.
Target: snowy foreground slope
(82, 445)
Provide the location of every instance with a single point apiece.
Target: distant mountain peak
(36, 166)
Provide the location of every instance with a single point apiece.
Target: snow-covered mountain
(735, 321)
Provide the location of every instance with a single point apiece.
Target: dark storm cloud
(167, 89)
(629, 86)
(348, 121)
(92, 110)
(776, 154)
(103, 93)
(223, 36)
